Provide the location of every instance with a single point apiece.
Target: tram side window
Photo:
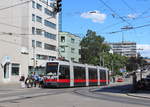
(64, 72)
(79, 72)
(102, 75)
(92, 73)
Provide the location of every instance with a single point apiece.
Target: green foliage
(95, 51)
(114, 62)
(135, 62)
(92, 46)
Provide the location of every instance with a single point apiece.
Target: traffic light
(57, 6)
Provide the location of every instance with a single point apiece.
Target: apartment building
(28, 37)
(69, 46)
(124, 48)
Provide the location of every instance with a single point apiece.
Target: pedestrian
(22, 81)
(134, 81)
(40, 81)
(29, 82)
(35, 79)
(113, 79)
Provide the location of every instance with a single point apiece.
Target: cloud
(132, 16)
(95, 16)
(146, 49)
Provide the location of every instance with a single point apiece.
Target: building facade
(28, 37)
(127, 49)
(69, 46)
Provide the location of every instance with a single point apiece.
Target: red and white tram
(69, 74)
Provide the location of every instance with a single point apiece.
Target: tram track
(23, 96)
(123, 98)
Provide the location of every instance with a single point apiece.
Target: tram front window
(51, 70)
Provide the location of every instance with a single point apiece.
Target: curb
(137, 96)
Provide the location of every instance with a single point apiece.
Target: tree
(95, 51)
(92, 48)
(115, 62)
(135, 62)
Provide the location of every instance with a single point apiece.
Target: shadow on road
(116, 89)
(121, 89)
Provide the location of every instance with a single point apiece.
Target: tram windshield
(51, 70)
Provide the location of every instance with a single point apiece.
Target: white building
(124, 48)
(28, 37)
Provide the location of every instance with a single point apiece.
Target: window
(50, 36)
(49, 47)
(39, 7)
(15, 69)
(33, 17)
(64, 72)
(44, 57)
(39, 31)
(33, 4)
(72, 59)
(62, 39)
(33, 43)
(33, 30)
(102, 75)
(92, 73)
(49, 24)
(62, 48)
(48, 12)
(72, 40)
(79, 72)
(38, 19)
(72, 50)
(39, 44)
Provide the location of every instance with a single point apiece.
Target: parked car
(120, 80)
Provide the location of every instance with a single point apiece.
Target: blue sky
(114, 15)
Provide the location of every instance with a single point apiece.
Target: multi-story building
(69, 46)
(124, 48)
(28, 37)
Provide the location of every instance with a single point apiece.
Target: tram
(70, 74)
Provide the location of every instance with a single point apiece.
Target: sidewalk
(10, 87)
(140, 94)
(126, 89)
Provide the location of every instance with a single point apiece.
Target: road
(71, 97)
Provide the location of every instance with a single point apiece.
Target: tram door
(79, 76)
(93, 79)
(102, 77)
(64, 76)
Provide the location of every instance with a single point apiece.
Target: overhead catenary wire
(146, 25)
(114, 12)
(129, 6)
(144, 12)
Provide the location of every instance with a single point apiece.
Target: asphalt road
(71, 97)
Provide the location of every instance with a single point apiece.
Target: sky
(108, 18)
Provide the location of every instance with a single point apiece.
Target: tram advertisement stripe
(75, 80)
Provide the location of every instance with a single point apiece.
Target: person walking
(35, 79)
(40, 81)
(29, 82)
(22, 81)
(134, 81)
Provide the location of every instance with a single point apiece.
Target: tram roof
(77, 64)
